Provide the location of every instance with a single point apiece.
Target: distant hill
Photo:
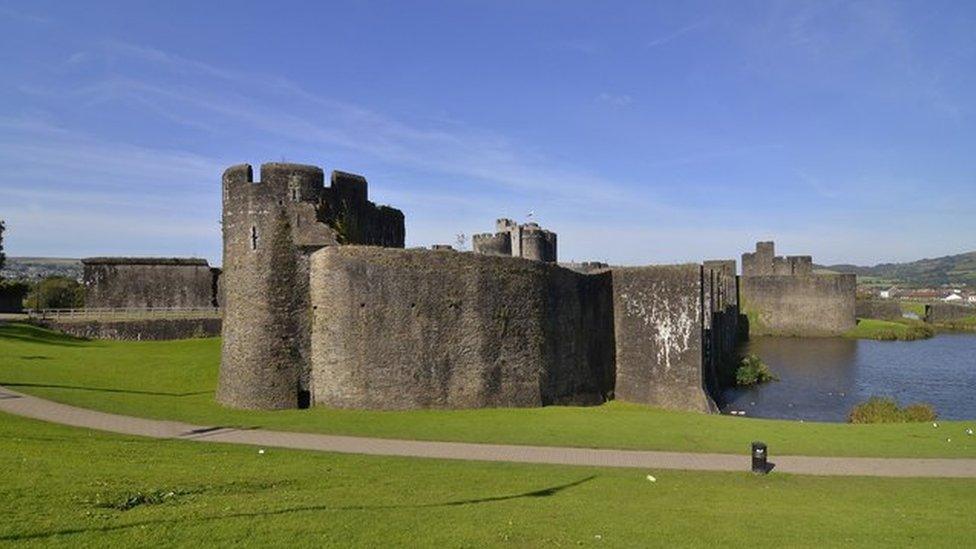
(951, 269)
(35, 268)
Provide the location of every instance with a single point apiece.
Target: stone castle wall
(817, 305)
(400, 329)
(311, 317)
(138, 330)
(783, 296)
(948, 312)
(146, 282)
(884, 309)
(395, 329)
(659, 336)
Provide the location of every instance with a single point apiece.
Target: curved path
(46, 410)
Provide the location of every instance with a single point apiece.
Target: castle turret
(528, 241)
(270, 228)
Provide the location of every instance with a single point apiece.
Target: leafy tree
(56, 292)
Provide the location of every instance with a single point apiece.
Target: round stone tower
(269, 229)
(538, 244)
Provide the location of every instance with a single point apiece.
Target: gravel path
(28, 406)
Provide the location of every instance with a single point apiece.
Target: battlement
(529, 241)
(785, 297)
(765, 262)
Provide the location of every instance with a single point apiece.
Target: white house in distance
(888, 294)
(952, 298)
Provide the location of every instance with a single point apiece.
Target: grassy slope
(873, 328)
(176, 379)
(61, 485)
(959, 268)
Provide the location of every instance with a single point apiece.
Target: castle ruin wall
(146, 282)
(398, 329)
(658, 327)
(819, 305)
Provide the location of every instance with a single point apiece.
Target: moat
(821, 379)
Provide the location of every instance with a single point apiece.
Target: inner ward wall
(400, 329)
(121, 283)
(659, 345)
(815, 305)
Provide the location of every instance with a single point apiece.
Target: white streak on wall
(670, 319)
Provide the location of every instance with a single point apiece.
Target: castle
(784, 296)
(511, 239)
(322, 305)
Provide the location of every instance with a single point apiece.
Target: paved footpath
(46, 410)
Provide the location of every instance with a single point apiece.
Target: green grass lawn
(913, 307)
(176, 379)
(890, 330)
(77, 488)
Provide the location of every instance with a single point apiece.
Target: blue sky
(643, 132)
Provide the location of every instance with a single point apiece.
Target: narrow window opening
(254, 237)
(294, 194)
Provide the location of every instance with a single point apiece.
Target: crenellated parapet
(529, 241)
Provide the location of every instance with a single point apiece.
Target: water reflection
(821, 379)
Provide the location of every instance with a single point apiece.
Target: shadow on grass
(103, 390)
(33, 334)
(542, 493)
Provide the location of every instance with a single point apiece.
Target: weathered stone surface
(141, 282)
(396, 329)
(529, 241)
(883, 309)
(947, 312)
(658, 331)
(492, 244)
(270, 227)
(817, 305)
(783, 296)
(138, 330)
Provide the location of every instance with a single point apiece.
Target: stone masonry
(270, 229)
(783, 296)
(528, 240)
(323, 306)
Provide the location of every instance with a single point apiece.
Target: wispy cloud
(677, 33)
(293, 113)
(615, 100)
(22, 16)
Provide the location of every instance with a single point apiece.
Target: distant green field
(70, 487)
(888, 330)
(913, 307)
(176, 380)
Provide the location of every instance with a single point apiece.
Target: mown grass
(913, 307)
(176, 380)
(889, 330)
(76, 488)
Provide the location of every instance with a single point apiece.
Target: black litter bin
(759, 458)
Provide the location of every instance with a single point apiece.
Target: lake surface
(821, 379)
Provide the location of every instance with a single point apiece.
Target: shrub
(919, 331)
(56, 292)
(919, 412)
(753, 370)
(886, 410)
